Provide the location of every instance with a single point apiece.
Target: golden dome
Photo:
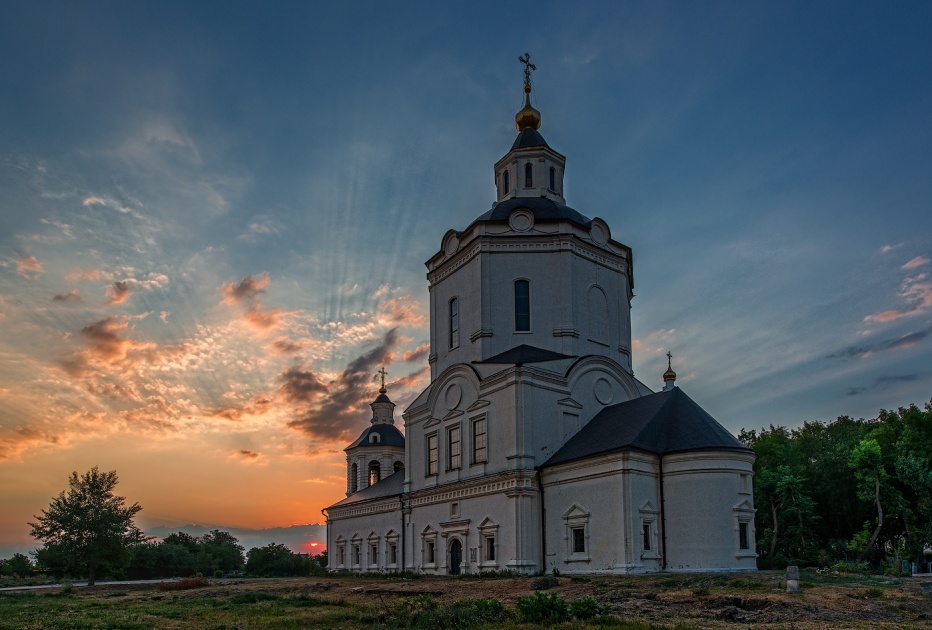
(528, 117)
(669, 375)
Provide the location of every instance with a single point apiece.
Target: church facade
(534, 447)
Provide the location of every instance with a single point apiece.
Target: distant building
(534, 447)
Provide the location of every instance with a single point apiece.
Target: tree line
(849, 490)
(87, 531)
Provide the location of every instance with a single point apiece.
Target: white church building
(534, 447)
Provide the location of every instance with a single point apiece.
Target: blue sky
(214, 218)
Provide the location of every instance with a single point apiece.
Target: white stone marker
(792, 579)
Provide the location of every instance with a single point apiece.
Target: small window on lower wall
(576, 521)
(489, 549)
(743, 538)
(430, 553)
(579, 540)
(392, 553)
(646, 534)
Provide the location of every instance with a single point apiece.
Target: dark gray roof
(661, 423)
(389, 435)
(382, 398)
(542, 208)
(392, 485)
(529, 138)
(525, 354)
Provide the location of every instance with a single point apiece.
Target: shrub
(701, 592)
(218, 573)
(585, 607)
(540, 608)
(874, 593)
(185, 583)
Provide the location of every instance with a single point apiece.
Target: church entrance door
(456, 557)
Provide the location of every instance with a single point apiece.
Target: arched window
(375, 472)
(374, 438)
(597, 312)
(354, 478)
(505, 184)
(522, 306)
(399, 465)
(454, 323)
(553, 179)
(528, 175)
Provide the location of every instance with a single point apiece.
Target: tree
(868, 469)
(19, 565)
(88, 527)
(220, 550)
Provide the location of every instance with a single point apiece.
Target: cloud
(246, 455)
(28, 267)
(106, 347)
(71, 296)
(113, 204)
(400, 311)
(882, 382)
(889, 248)
(94, 275)
(344, 405)
(900, 343)
(918, 261)
(248, 289)
(118, 292)
(418, 354)
(300, 386)
(917, 292)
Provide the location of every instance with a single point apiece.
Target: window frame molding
(453, 334)
(575, 518)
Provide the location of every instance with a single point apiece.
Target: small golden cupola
(528, 117)
(669, 377)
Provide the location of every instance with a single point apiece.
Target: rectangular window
(522, 306)
(432, 454)
(373, 553)
(743, 542)
(429, 552)
(490, 548)
(579, 540)
(478, 441)
(454, 323)
(356, 554)
(392, 553)
(453, 441)
(646, 536)
(342, 551)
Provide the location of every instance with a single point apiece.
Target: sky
(214, 218)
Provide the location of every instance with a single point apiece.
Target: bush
(585, 607)
(185, 583)
(874, 593)
(218, 573)
(540, 608)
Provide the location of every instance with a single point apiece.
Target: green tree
(19, 565)
(89, 526)
(867, 463)
(220, 550)
(276, 560)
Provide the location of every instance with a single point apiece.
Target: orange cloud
(401, 311)
(248, 289)
(28, 267)
(917, 291)
(417, 354)
(89, 274)
(918, 261)
(118, 292)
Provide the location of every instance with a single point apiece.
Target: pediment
(479, 404)
(427, 531)
(431, 422)
(569, 402)
(356, 538)
(744, 506)
(648, 507)
(453, 414)
(576, 511)
(340, 539)
(487, 523)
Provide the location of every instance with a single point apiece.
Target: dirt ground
(706, 601)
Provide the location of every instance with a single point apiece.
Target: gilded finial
(669, 375)
(383, 373)
(528, 117)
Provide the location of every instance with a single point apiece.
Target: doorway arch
(456, 557)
